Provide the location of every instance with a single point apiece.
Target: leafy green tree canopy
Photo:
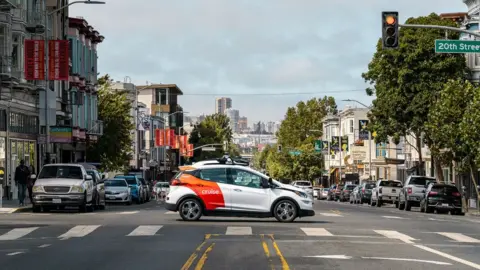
(407, 80)
(114, 147)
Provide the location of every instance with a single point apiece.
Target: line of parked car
(417, 191)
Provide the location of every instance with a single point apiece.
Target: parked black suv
(443, 198)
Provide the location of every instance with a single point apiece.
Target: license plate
(444, 204)
(111, 197)
(393, 191)
(56, 200)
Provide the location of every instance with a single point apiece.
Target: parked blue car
(136, 187)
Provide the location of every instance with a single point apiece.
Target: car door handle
(239, 190)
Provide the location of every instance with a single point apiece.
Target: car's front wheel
(285, 211)
(190, 210)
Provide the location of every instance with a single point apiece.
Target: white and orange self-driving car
(224, 188)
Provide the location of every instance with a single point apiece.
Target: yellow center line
(267, 252)
(285, 265)
(194, 255)
(204, 257)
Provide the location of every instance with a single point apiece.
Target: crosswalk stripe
(396, 235)
(316, 232)
(459, 237)
(239, 230)
(79, 231)
(145, 230)
(17, 233)
(128, 212)
(330, 215)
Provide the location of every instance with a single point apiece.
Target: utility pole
(340, 146)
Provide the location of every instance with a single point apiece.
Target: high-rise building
(243, 124)
(223, 103)
(234, 116)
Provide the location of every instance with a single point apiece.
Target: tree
(214, 129)
(444, 120)
(114, 147)
(470, 138)
(407, 80)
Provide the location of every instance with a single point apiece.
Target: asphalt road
(340, 236)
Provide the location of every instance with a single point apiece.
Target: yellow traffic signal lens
(390, 20)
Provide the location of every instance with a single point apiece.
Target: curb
(21, 210)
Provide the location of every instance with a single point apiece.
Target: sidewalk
(12, 206)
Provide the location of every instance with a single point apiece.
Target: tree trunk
(418, 142)
(438, 170)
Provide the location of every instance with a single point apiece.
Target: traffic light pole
(440, 27)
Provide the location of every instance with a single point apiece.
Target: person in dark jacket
(21, 179)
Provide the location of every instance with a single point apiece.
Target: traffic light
(390, 33)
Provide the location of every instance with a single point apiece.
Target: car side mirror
(33, 176)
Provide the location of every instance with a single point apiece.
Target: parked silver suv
(412, 192)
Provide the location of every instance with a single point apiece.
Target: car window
(390, 184)
(303, 183)
(369, 186)
(115, 183)
(420, 180)
(445, 190)
(71, 172)
(218, 175)
(349, 187)
(130, 180)
(245, 178)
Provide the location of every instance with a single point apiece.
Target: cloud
(221, 47)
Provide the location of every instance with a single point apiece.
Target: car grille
(56, 189)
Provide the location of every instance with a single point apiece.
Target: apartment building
(161, 101)
(223, 103)
(351, 150)
(234, 116)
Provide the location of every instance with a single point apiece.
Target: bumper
(306, 213)
(58, 200)
(388, 198)
(171, 207)
(116, 197)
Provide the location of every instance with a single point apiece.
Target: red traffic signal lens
(390, 20)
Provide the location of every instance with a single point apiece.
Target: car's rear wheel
(285, 211)
(190, 210)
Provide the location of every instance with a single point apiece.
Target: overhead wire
(272, 94)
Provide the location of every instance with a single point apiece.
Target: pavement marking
(79, 231)
(145, 230)
(239, 230)
(128, 212)
(191, 259)
(203, 259)
(17, 233)
(15, 253)
(330, 215)
(266, 250)
(407, 260)
(44, 245)
(340, 257)
(458, 237)
(448, 256)
(170, 213)
(285, 265)
(316, 232)
(396, 235)
(393, 217)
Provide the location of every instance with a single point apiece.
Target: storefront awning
(332, 170)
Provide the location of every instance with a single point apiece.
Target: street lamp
(369, 138)
(45, 36)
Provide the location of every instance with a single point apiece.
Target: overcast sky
(252, 51)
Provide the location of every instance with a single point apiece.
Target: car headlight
(38, 189)
(77, 189)
(301, 194)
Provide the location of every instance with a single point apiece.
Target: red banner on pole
(58, 58)
(34, 64)
(189, 150)
(177, 142)
(184, 141)
(170, 137)
(159, 137)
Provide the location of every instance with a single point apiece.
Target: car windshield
(369, 186)
(115, 183)
(130, 180)
(71, 172)
(303, 184)
(390, 184)
(421, 181)
(445, 190)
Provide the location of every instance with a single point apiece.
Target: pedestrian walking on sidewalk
(21, 178)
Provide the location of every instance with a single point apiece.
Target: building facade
(243, 124)
(223, 103)
(234, 116)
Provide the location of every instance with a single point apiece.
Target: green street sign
(318, 146)
(457, 46)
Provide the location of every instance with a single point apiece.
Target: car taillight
(363, 189)
(456, 194)
(176, 182)
(431, 193)
(409, 190)
(380, 190)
